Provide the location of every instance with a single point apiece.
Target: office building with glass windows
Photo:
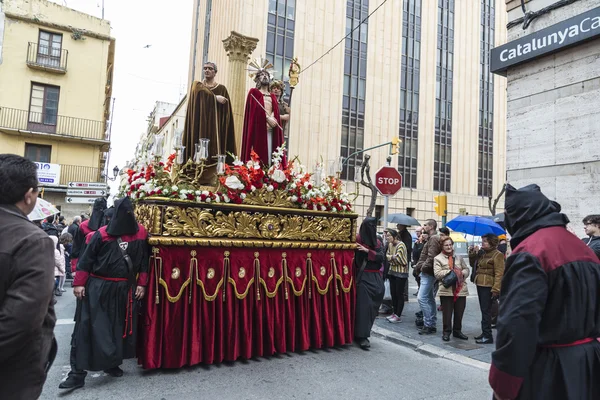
(375, 69)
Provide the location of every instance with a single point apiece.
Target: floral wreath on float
(305, 190)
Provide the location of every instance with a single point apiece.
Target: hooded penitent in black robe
(107, 323)
(549, 318)
(86, 227)
(369, 289)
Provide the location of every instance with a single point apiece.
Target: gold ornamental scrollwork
(275, 198)
(205, 223)
(150, 216)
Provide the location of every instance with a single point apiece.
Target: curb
(427, 349)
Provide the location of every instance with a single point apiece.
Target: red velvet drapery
(208, 305)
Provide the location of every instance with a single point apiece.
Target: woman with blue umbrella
(487, 264)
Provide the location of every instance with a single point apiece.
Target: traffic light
(442, 205)
(395, 143)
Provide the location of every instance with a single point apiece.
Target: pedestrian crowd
(542, 297)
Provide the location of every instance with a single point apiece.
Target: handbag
(450, 279)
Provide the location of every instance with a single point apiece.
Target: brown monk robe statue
(209, 116)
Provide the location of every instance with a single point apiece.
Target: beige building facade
(553, 123)
(56, 71)
(417, 69)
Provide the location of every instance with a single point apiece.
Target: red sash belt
(575, 343)
(129, 310)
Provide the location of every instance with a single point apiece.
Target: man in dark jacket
(27, 345)
(74, 226)
(591, 224)
(424, 267)
(549, 323)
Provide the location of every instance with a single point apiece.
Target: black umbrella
(402, 219)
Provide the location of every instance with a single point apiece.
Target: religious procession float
(251, 255)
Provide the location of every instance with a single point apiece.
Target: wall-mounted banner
(546, 41)
(48, 174)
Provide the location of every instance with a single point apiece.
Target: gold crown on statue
(260, 65)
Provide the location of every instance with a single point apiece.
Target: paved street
(471, 327)
(387, 371)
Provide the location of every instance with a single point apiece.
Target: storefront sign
(546, 41)
(48, 174)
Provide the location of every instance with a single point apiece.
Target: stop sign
(388, 180)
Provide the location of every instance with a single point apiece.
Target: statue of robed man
(209, 115)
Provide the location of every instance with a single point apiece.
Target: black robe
(369, 290)
(107, 319)
(549, 318)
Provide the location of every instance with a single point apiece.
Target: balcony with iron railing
(47, 58)
(48, 123)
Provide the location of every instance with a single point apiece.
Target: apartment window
(49, 48)
(409, 92)
(486, 101)
(442, 157)
(281, 25)
(38, 152)
(355, 82)
(43, 107)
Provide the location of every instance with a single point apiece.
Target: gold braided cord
(309, 273)
(285, 274)
(158, 273)
(212, 296)
(274, 292)
(345, 289)
(193, 261)
(239, 295)
(334, 271)
(257, 272)
(322, 291)
(174, 299)
(226, 269)
(297, 292)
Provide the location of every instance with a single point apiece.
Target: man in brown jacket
(426, 297)
(27, 345)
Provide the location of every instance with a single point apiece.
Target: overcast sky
(142, 76)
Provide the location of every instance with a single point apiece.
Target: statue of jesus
(262, 123)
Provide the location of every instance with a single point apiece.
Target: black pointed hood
(123, 221)
(368, 232)
(109, 213)
(97, 217)
(527, 210)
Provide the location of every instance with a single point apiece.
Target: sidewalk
(465, 351)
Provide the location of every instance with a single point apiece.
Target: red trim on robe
(83, 227)
(81, 278)
(140, 235)
(505, 385)
(554, 247)
(142, 279)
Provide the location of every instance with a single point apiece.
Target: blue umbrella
(474, 225)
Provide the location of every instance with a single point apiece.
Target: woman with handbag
(452, 271)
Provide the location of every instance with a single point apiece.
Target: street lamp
(116, 170)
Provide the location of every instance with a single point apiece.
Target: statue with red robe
(263, 131)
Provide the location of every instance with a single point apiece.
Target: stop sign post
(388, 181)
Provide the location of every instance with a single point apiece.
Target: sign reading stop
(388, 180)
